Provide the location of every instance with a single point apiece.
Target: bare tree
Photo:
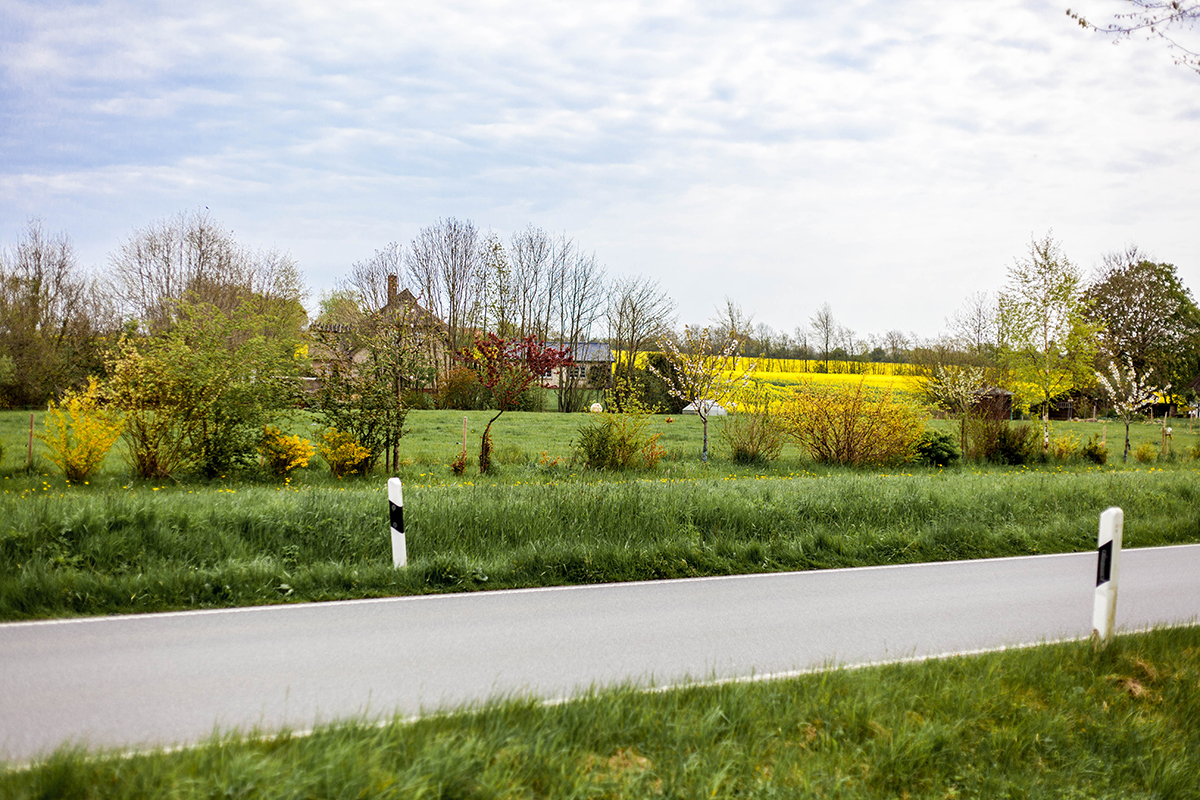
(639, 312)
(579, 302)
(368, 280)
(49, 318)
(443, 263)
(532, 252)
(190, 258)
(1156, 19)
(895, 343)
(974, 325)
(494, 303)
(825, 331)
(731, 324)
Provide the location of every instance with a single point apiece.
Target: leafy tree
(1147, 317)
(701, 376)
(508, 367)
(199, 395)
(373, 364)
(1046, 340)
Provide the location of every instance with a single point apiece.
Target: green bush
(1093, 450)
(619, 441)
(937, 449)
(462, 390)
(1145, 453)
(753, 437)
(1000, 442)
(418, 400)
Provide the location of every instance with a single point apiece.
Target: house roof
(586, 351)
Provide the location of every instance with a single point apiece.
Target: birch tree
(1046, 342)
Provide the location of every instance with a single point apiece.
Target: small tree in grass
(956, 389)
(1128, 392)
(508, 367)
(702, 377)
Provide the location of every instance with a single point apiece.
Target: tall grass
(119, 548)
(1053, 721)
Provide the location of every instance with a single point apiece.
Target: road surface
(165, 679)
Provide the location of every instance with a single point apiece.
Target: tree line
(1048, 332)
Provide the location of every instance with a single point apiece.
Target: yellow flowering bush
(80, 430)
(343, 453)
(282, 454)
(850, 425)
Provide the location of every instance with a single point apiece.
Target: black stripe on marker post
(1104, 563)
(396, 514)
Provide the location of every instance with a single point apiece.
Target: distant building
(589, 357)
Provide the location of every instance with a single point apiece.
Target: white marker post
(1108, 565)
(396, 516)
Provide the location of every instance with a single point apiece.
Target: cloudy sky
(888, 157)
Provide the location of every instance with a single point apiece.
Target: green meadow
(117, 545)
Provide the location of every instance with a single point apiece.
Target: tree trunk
(704, 451)
(1125, 457)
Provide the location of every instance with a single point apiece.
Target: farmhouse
(593, 365)
(402, 320)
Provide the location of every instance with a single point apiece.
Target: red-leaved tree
(508, 367)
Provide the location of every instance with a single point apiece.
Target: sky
(889, 158)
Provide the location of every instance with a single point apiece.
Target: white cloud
(890, 157)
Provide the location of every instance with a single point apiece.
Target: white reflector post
(1108, 564)
(396, 517)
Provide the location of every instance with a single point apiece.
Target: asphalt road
(165, 679)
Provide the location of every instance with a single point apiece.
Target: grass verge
(1050, 721)
(120, 548)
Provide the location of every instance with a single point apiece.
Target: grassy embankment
(121, 546)
(1052, 721)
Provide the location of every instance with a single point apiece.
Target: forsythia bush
(282, 454)
(849, 425)
(343, 453)
(80, 431)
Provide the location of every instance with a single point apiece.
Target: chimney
(392, 280)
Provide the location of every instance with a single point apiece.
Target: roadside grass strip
(1054, 720)
(115, 550)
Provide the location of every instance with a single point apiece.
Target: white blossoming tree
(702, 377)
(1128, 392)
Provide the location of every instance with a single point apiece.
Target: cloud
(826, 149)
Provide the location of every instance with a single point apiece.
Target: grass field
(117, 545)
(1052, 721)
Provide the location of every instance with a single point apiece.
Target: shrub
(344, 454)
(1093, 450)
(753, 435)
(462, 390)
(1064, 447)
(1000, 442)
(852, 425)
(937, 449)
(418, 400)
(459, 465)
(80, 430)
(619, 441)
(1145, 452)
(282, 454)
